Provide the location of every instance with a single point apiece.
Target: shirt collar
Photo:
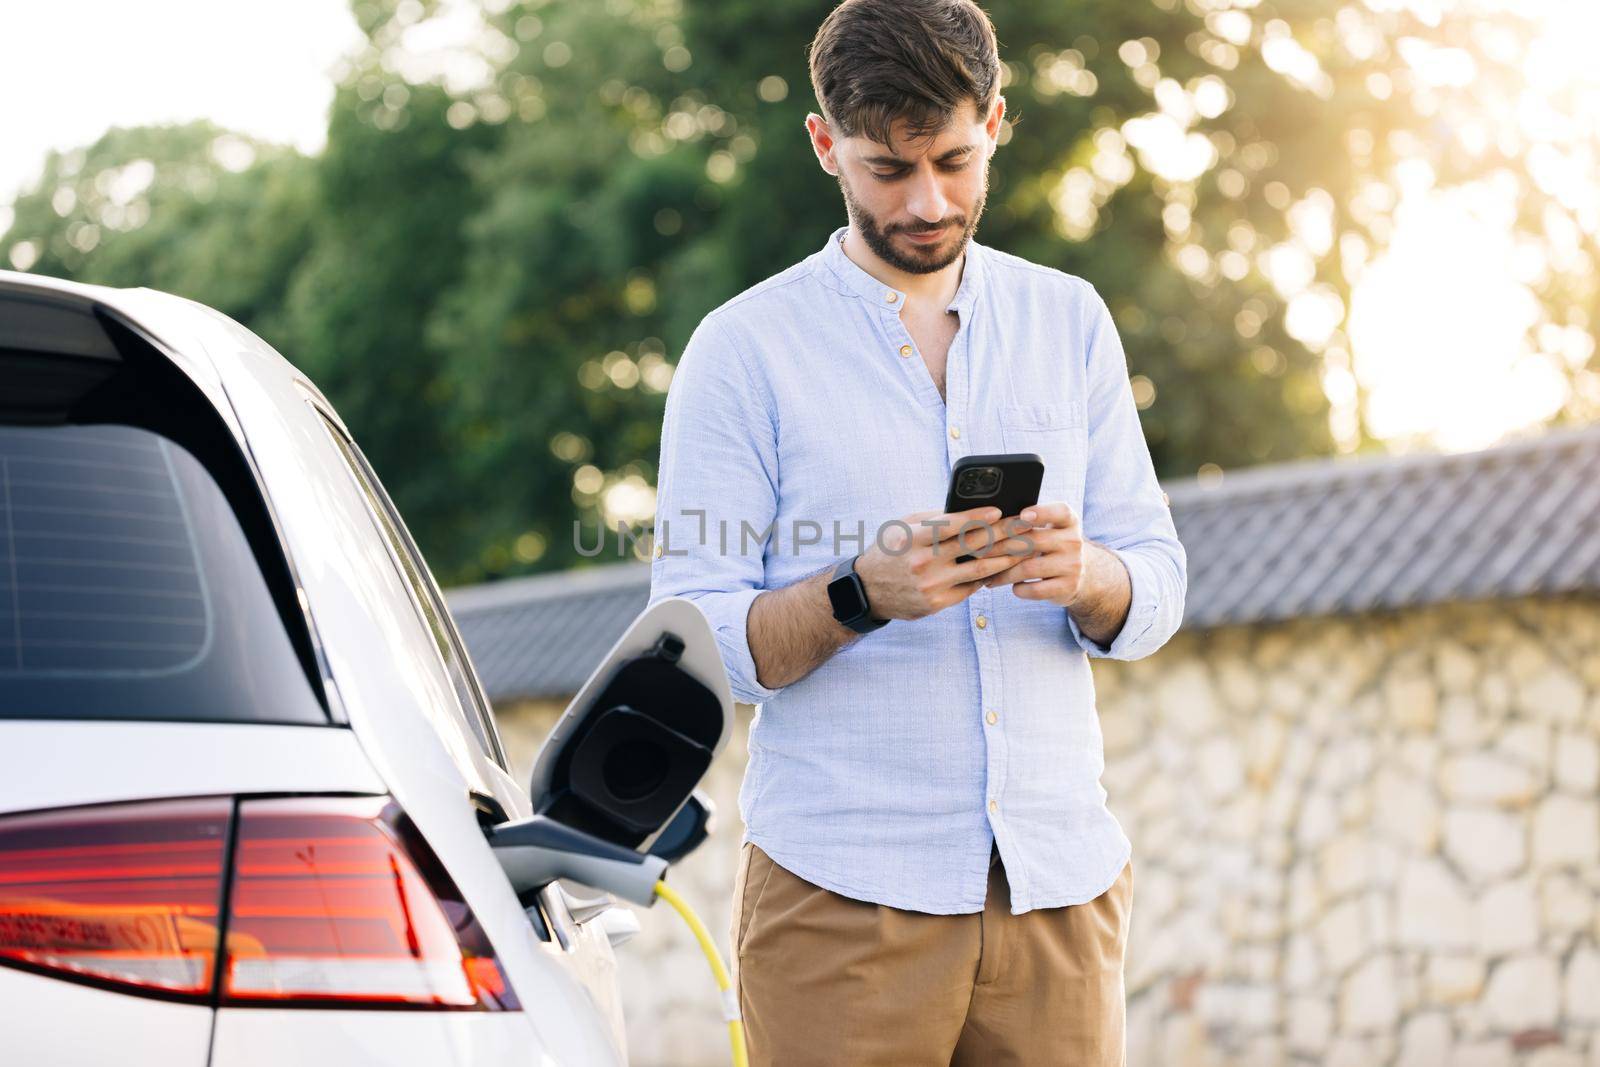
(870, 289)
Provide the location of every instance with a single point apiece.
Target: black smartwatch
(849, 599)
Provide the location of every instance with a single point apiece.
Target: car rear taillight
(336, 900)
(332, 901)
(125, 894)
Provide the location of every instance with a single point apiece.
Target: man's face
(918, 203)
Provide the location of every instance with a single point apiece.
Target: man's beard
(882, 243)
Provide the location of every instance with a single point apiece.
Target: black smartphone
(1009, 481)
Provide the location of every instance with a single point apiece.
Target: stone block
(1404, 808)
(1488, 778)
(1426, 1040)
(1433, 909)
(1582, 986)
(1552, 694)
(1524, 992)
(1566, 832)
(1577, 761)
(1454, 979)
(1484, 843)
(1508, 918)
(1369, 999)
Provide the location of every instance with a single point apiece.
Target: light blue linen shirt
(801, 418)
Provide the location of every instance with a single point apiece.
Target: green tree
(191, 209)
(392, 196)
(559, 333)
(492, 273)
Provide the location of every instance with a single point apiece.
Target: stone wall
(1365, 841)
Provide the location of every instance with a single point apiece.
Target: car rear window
(129, 586)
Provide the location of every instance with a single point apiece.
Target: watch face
(846, 597)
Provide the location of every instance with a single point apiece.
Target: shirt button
(905, 350)
(955, 433)
(982, 621)
(992, 718)
(994, 806)
(890, 297)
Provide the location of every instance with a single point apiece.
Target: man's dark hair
(875, 61)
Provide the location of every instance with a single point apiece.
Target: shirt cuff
(1142, 605)
(729, 616)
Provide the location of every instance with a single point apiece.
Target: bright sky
(71, 69)
(1436, 321)
(1437, 330)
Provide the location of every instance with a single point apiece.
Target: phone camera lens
(978, 482)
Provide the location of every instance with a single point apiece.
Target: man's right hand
(909, 580)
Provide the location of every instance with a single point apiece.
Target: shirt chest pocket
(1058, 434)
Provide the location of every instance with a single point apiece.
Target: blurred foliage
(393, 205)
(193, 209)
(492, 266)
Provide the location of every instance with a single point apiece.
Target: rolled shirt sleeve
(716, 496)
(1124, 508)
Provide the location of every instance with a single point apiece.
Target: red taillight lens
(335, 900)
(124, 893)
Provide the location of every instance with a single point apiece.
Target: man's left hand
(1058, 560)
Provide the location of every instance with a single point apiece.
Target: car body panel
(64, 763)
(271, 1038)
(65, 1024)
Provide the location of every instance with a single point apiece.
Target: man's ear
(992, 125)
(822, 142)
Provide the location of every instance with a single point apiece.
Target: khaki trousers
(828, 980)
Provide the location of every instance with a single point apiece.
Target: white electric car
(253, 805)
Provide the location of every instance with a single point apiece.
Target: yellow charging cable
(730, 1000)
